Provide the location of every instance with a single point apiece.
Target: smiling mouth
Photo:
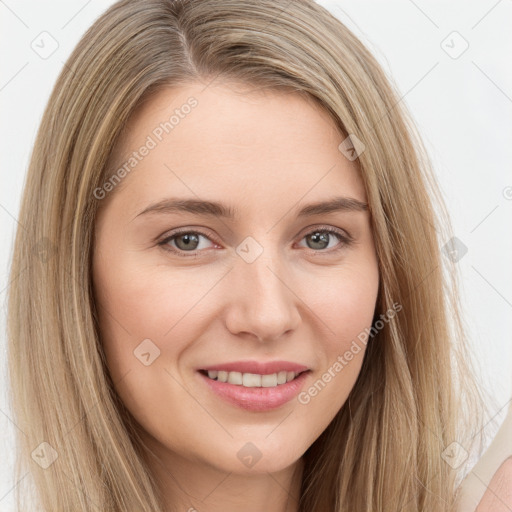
(252, 380)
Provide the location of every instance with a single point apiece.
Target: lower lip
(257, 399)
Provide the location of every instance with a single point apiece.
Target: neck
(195, 486)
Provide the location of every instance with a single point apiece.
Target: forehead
(232, 141)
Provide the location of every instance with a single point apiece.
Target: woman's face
(184, 287)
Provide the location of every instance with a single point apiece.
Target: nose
(262, 302)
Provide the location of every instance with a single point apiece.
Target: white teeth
(268, 381)
(235, 378)
(252, 380)
(281, 377)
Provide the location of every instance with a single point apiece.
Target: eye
(189, 241)
(184, 241)
(321, 237)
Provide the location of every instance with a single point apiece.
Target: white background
(462, 106)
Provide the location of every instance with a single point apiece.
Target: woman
(301, 358)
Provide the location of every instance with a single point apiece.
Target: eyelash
(345, 241)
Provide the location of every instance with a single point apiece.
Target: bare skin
(498, 496)
(303, 299)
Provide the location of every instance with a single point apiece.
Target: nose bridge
(264, 303)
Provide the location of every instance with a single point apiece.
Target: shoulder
(498, 496)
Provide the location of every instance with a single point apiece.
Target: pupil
(320, 237)
(188, 240)
(317, 238)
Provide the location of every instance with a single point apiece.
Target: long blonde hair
(383, 450)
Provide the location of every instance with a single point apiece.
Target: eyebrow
(216, 209)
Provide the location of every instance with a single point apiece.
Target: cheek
(136, 301)
(344, 300)
(345, 306)
(144, 331)
(132, 307)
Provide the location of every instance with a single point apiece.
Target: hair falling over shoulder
(415, 394)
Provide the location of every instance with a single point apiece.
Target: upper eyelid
(307, 230)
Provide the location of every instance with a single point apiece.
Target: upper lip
(258, 367)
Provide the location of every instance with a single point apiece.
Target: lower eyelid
(168, 239)
(344, 240)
